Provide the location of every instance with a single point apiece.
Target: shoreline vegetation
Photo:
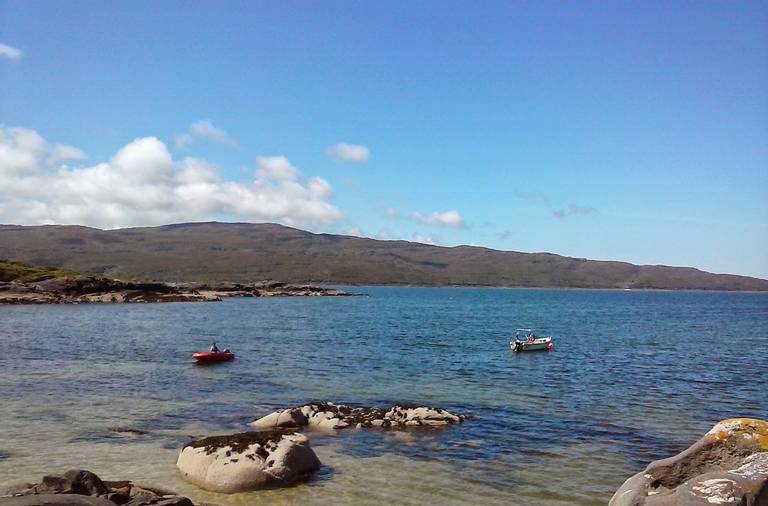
(242, 252)
(25, 284)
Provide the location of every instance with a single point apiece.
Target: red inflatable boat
(208, 357)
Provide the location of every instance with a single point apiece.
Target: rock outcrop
(95, 290)
(25, 284)
(729, 465)
(79, 487)
(265, 289)
(247, 461)
(330, 416)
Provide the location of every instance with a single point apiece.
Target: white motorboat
(527, 340)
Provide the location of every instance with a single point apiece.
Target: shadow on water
(324, 475)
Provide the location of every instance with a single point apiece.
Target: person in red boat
(214, 348)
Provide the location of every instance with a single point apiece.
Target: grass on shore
(24, 273)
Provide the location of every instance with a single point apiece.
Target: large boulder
(729, 465)
(330, 416)
(247, 461)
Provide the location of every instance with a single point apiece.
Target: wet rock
(15, 489)
(247, 461)
(729, 465)
(118, 498)
(75, 481)
(79, 487)
(330, 416)
(139, 487)
(54, 500)
(149, 499)
(287, 418)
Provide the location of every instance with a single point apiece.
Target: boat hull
(541, 344)
(210, 357)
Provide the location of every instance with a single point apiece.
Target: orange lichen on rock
(741, 428)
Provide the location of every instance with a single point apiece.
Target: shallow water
(636, 376)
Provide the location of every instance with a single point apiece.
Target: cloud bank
(349, 152)
(141, 185)
(9, 52)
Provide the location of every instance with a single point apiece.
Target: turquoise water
(635, 376)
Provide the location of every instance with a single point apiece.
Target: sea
(635, 376)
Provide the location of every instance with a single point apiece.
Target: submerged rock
(330, 416)
(127, 430)
(79, 487)
(729, 465)
(247, 461)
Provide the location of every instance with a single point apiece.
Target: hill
(242, 252)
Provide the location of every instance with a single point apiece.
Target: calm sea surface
(636, 376)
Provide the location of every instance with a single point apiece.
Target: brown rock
(729, 465)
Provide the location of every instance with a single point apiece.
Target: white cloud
(424, 239)
(349, 152)
(63, 152)
(446, 219)
(276, 168)
(205, 130)
(9, 52)
(142, 185)
(19, 149)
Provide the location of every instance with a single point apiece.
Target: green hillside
(23, 273)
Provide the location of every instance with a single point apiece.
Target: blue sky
(633, 131)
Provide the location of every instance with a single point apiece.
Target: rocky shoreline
(728, 465)
(93, 289)
(262, 289)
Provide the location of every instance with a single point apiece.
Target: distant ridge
(244, 252)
